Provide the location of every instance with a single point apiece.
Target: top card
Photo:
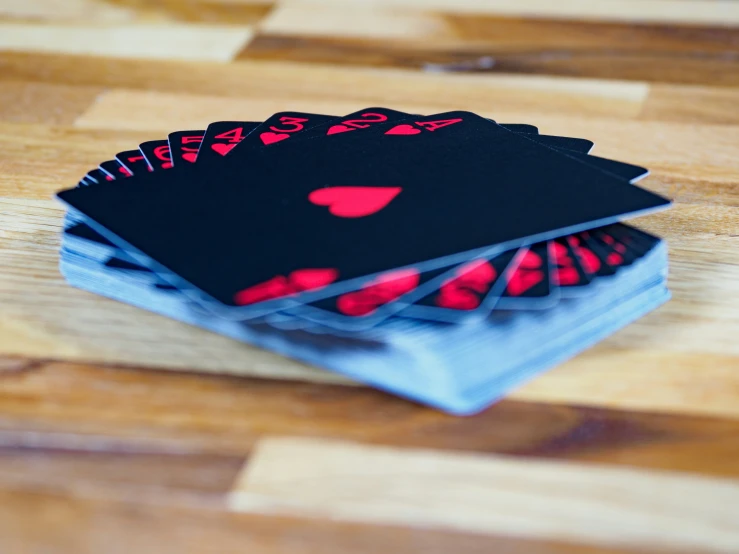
(325, 215)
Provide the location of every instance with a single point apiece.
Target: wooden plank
(148, 41)
(97, 415)
(23, 102)
(430, 29)
(51, 10)
(712, 12)
(290, 82)
(692, 104)
(462, 56)
(367, 34)
(581, 503)
(127, 109)
(118, 468)
(126, 11)
(48, 520)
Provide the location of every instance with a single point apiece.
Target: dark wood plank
(612, 50)
(78, 408)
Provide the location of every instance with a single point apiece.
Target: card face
(221, 137)
(587, 257)
(606, 266)
(569, 275)
(184, 146)
(134, 161)
(373, 202)
(619, 253)
(632, 237)
(531, 281)
(157, 154)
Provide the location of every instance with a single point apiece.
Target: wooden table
(122, 431)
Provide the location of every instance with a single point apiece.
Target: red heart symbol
(354, 201)
(269, 137)
(223, 148)
(311, 279)
(404, 129)
(189, 157)
(338, 129)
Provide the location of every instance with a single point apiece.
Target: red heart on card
(223, 148)
(269, 137)
(354, 201)
(403, 129)
(189, 157)
(338, 129)
(312, 279)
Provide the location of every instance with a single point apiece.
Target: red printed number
(234, 135)
(294, 124)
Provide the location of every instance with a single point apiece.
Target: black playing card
(134, 161)
(531, 283)
(221, 137)
(157, 154)
(184, 146)
(373, 202)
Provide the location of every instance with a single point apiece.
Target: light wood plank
(715, 12)
(295, 82)
(444, 24)
(692, 103)
(24, 102)
(127, 109)
(547, 500)
(345, 20)
(172, 41)
(52, 10)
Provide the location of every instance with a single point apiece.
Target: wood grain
(101, 414)
(192, 528)
(172, 41)
(123, 431)
(546, 500)
(441, 41)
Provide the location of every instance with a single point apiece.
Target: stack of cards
(445, 258)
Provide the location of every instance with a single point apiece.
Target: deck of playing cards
(445, 258)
